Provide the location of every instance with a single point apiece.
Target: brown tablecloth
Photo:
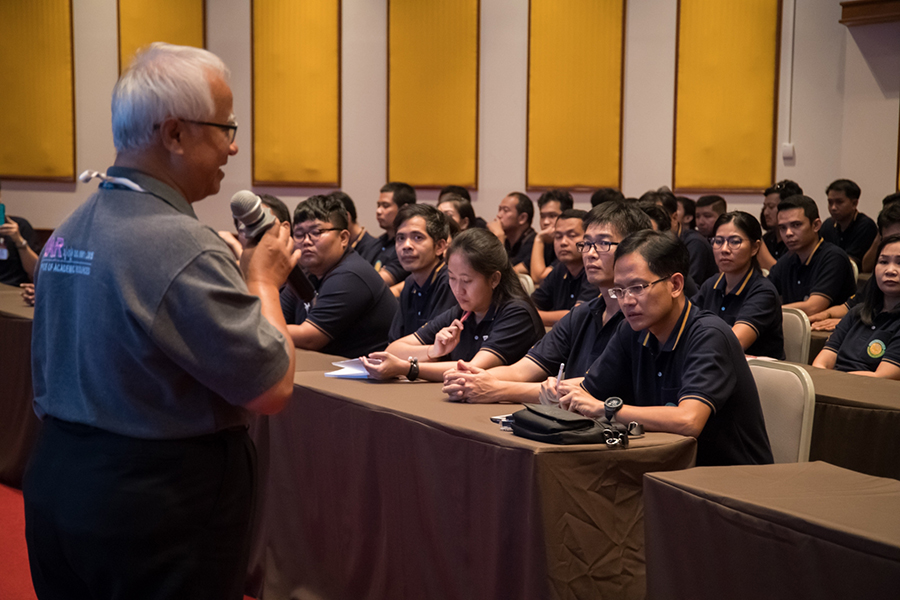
(386, 490)
(791, 531)
(18, 424)
(857, 422)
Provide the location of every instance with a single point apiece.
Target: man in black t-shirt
(512, 226)
(383, 255)
(847, 228)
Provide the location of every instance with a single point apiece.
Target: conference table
(388, 490)
(18, 424)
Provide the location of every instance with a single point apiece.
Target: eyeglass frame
(230, 128)
(727, 240)
(595, 246)
(635, 291)
(314, 234)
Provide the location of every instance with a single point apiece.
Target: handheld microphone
(248, 209)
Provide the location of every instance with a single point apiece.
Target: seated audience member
(463, 193)
(567, 285)
(494, 324)
(18, 251)
(661, 220)
(353, 308)
(383, 256)
(703, 263)
(422, 238)
(847, 228)
(679, 369)
(512, 226)
(578, 338)
(868, 262)
(867, 340)
(888, 225)
(606, 195)
(815, 274)
(685, 213)
(707, 210)
(740, 294)
(458, 209)
(360, 240)
(774, 247)
(551, 204)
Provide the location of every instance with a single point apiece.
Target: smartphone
(2, 213)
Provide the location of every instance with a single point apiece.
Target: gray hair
(162, 81)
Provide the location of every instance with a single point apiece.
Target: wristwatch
(413, 373)
(612, 406)
(23, 244)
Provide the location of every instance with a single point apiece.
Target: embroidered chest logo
(875, 349)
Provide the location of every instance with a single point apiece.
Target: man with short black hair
(847, 228)
(383, 256)
(679, 369)
(567, 284)
(815, 274)
(512, 226)
(606, 195)
(551, 204)
(353, 308)
(708, 209)
(577, 339)
(423, 234)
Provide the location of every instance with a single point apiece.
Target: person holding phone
(18, 249)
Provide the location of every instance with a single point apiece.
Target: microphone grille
(243, 203)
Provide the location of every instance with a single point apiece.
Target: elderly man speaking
(151, 349)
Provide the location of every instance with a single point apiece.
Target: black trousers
(108, 516)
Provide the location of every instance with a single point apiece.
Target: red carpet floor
(15, 578)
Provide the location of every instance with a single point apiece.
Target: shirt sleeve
(708, 375)
(543, 296)
(343, 298)
(840, 332)
(610, 375)
(702, 259)
(863, 239)
(553, 349)
(831, 276)
(704, 295)
(429, 330)
(292, 306)
(210, 326)
(761, 310)
(777, 273)
(892, 353)
(512, 333)
(392, 265)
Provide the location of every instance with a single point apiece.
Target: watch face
(614, 403)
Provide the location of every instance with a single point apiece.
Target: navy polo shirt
(855, 240)
(826, 272)
(520, 252)
(507, 331)
(776, 247)
(365, 244)
(753, 302)
(861, 347)
(383, 255)
(703, 261)
(353, 307)
(418, 304)
(577, 340)
(561, 290)
(702, 360)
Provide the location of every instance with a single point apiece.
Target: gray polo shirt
(143, 325)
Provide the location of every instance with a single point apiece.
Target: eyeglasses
(601, 246)
(734, 241)
(635, 291)
(230, 129)
(313, 234)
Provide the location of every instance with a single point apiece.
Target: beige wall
(844, 120)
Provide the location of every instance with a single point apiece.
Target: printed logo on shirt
(377, 265)
(876, 349)
(58, 258)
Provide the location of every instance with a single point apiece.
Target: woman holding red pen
(495, 323)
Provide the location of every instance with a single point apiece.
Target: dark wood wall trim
(865, 12)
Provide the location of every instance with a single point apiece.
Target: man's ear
(817, 224)
(677, 281)
(345, 238)
(171, 132)
(522, 218)
(440, 247)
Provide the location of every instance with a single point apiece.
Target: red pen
(465, 316)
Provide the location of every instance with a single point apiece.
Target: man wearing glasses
(577, 339)
(151, 348)
(353, 309)
(678, 369)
